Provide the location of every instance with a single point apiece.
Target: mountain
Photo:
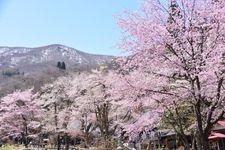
(26, 58)
(22, 67)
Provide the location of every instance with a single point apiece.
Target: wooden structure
(217, 137)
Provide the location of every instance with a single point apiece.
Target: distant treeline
(11, 72)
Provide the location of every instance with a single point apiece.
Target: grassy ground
(10, 147)
(15, 147)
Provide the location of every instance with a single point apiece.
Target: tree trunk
(87, 139)
(186, 144)
(193, 144)
(202, 142)
(58, 142)
(202, 136)
(24, 137)
(25, 142)
(183, 140)
(67, 142)
(25, 132)
(150, 145)
(205, 144)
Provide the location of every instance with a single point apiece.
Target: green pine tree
(59, 65)
(63, 66)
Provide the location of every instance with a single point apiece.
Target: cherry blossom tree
(134, 111)
(177, 55)
(78, 103)
(58, 111)
(92, 101)
(20, 117)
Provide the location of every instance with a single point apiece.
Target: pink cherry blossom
(177, 55)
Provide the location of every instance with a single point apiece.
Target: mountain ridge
(51, 45)
(23, 67)
(23, 56)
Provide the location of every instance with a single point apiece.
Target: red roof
(222, 123)
(215, 135)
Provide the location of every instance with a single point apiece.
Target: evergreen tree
(63, 66)
(59, 64)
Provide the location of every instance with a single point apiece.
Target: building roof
(215, 135)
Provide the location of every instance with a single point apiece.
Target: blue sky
(87, 25)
